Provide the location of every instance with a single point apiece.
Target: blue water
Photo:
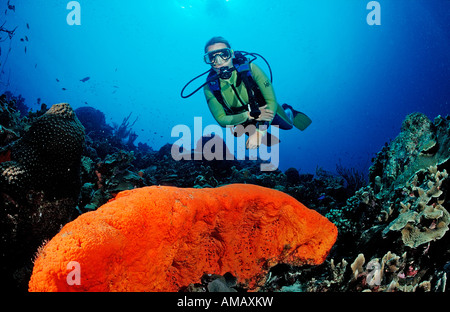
(356, 81)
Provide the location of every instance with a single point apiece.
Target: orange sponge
(160, 238)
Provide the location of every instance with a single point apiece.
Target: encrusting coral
(162, 238)
(422, 218)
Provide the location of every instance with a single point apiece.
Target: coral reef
(392, 232)
(94, 122)
(124, 132)
(9, 120)
(214, 283)
(353, 178)
(39, 185)
(168, 237)
(422, 218)
(47, 157)
(16, 102)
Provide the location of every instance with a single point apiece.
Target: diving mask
(218, 56)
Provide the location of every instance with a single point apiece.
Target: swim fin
(301, 121)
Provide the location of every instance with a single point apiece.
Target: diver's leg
(283, 123)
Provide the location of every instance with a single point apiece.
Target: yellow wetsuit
(232, 100)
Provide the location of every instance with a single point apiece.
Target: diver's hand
(266, 114)
(254, 140)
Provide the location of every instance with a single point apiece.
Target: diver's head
(218, 54)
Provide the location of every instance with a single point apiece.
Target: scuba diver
(238, 92)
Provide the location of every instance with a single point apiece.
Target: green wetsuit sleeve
(265, 86)
(219, 113)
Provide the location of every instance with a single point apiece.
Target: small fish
(116, 87)
(57, 80)
(64, 89)
(35, 65)
(28, 26)
(321, 197)
(21, 39)
(26, 38)
(25, 50)
(85, 103)
(85, 79)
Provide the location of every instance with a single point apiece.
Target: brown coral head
(61, 109)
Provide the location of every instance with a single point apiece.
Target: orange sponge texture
(160, 238)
